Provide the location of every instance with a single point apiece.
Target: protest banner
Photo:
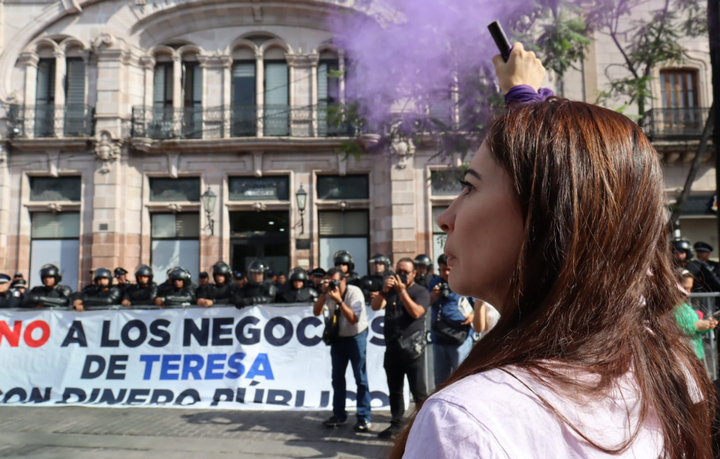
(256, 358)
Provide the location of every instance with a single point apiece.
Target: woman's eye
(466, 186)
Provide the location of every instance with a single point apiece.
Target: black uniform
(48, 297)
(164, 289)
(353, 278)
(253, 294)
(179, 297)
(705, 279)
(303, 295)
(218, 293)
(372, 283)
(137, 294)
(11, 299)
(94, 296)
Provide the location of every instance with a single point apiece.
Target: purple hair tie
(523, 94)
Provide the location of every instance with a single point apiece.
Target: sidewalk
(108, 433)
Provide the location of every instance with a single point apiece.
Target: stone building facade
(120, 116)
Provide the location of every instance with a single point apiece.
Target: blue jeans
(446, 358)
(354, 350)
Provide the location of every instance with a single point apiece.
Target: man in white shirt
(350, 346)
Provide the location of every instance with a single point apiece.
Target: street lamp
(208, 201)
(301, 197)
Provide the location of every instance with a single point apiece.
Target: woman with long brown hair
(561, 225)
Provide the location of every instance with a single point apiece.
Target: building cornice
(235, 145)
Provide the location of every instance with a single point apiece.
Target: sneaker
(334, 422)
(362, 426)
(392, 431)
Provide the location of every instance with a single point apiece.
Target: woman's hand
(705, 325)
(521, 68)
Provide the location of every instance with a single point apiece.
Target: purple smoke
(415, 56)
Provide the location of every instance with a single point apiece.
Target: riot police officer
(166, 287)
(373, 283)
(424, 267)
(51, 293)
(182, 293)
(222, 291)
(705, 280)
(297, 290)
(258, 290)
(9, 298)
(343, 260)
(144, 291)
(203, 285)
(102, 293)
(122, 281)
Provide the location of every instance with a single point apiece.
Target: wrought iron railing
(237, 121)
(41, 121)
(675, 123)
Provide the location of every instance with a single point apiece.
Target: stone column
(314, 90)
(148, 64)
(4, 209)
(341, 79)
(260, 91)
(30, 62)
(227, 102)
(403, 199)
(59, 113)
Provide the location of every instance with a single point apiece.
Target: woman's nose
(446, 220)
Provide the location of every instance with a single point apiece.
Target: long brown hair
(594, 285)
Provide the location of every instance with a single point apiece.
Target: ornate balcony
(236, 121)
(49, 121)
(675, 124)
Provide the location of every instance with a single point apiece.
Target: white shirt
(355, 300)
(492, 415)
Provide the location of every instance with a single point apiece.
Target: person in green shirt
(689, 321)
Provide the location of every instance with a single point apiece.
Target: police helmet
(222, 269)
(298, 274)
(257, 266)
(120, 271)
(102, 273)
(343, 257)
(380, 258)
(51, 271)
(180, 274)
(237, 275)
(144, 270)
(318, 272)
(703, 247)
(423, 260)
(682, 245)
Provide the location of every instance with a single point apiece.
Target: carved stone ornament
(54, 207)
(174, 207)
(403, 149)
(15, 98)
(104, 40)
(107, 150)
(259, 206)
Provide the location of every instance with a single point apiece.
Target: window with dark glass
(168, 189)
(163, 86)
(244, 111)
(344, 223)
(343, 187)
(55, 188)
(176, 226)
(259, 188)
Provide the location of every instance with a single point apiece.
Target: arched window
(244, 92)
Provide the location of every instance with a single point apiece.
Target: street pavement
(113, 433)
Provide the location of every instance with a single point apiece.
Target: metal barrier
(705, 302)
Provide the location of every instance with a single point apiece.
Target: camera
(403, 278)
(444, 290)
(333, 284)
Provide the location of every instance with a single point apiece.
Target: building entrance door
(260, 236)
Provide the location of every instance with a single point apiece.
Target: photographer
(451, 330)
(8, 298)
(144, 291)
(51, 293)
(102, 293)
(405, 304)
(373, 283)
(349, 346)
